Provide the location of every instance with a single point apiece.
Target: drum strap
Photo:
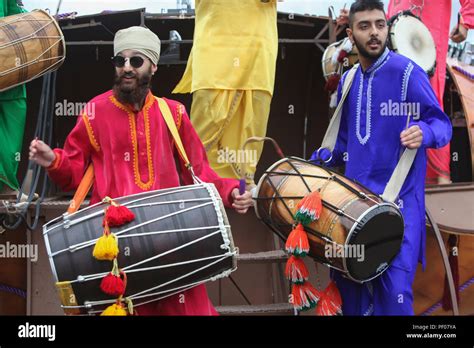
(169, 120)
(400, 173)
(88, 178)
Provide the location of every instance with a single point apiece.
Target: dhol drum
(180, 238)
(329, 61)
(357, 233)
(31, 44)
(408, 36)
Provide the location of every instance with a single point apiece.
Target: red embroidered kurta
(134, 152)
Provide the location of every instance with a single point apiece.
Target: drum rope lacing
(142, 294)
(67, 216)
(331, 207)
(91, 242)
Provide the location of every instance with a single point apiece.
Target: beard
(132, 91)
(363, 51)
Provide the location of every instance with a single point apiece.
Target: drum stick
(242, 183)
(242, 186)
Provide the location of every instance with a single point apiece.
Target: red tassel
(113, 284)
(309, 208)
(342, 55)
(305, 296)
(296, 271)
(454, 264)
(118, 215)
(332, 83)
(297, 242)
(330, 302)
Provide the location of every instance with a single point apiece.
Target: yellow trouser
(224, 120)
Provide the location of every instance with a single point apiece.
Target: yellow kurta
(231, 73)
(235, 46)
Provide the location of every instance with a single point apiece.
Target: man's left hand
(459, 33)
(412, 137)
(241, 202)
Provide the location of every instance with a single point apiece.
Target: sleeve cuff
(428, 137)
(57, 160)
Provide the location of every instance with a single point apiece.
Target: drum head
(376, 240)
(411, 38)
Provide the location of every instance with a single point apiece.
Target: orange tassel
(309, 208)
(297, 242)
(296, 271)
(330, 302)
(305, 296)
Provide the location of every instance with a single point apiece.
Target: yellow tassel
(116, 309)
(106, 247)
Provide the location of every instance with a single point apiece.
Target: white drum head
(411, 38)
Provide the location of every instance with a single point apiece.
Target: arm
(71, 162)
(459, 32)
(435, 125)
(467, 13)
(198, 158)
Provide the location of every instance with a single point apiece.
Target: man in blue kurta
(373, 134)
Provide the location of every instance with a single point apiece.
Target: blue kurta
(374, 114)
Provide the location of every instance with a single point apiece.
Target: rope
(44, 131)
(437, 305)
(464, 72)
(12, 290)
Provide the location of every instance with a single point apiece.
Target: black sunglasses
(135, 61)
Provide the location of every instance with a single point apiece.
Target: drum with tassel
(355, 231)
(139, 248)
(31, 44)
(340, 54)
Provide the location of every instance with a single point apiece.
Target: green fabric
(12, 118)
(9, 8)
(12, 124)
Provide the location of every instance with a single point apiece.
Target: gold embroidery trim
(133, 132)
(90, 133)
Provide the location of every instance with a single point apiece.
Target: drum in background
(329, 61)
(408, 36)
(368, 230)
(31, 44)
(180, 238)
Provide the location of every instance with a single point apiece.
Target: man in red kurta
(436, 15)
(123, 133)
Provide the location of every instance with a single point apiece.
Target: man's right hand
(41, 153)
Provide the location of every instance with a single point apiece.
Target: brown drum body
(31, 44)
(352, 216)
(328, 67)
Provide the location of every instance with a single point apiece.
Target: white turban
(139, 39)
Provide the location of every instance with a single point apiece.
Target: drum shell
(31, 44)
(330, 227)
(71, 265)
(423, 48)
(327, 66)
